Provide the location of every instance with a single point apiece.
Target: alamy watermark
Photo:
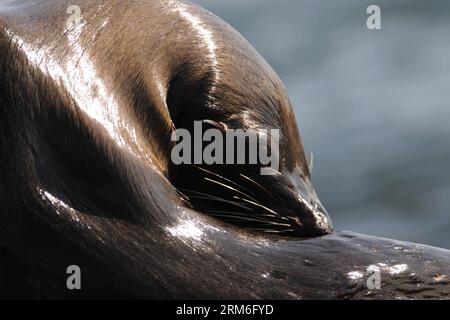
(374, 20)
(373, 282)
(74, 18)
(74, 279)
(230, 146)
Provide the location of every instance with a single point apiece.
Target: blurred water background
(373, 106)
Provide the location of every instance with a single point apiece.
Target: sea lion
(87, 111)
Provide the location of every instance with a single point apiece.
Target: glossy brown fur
(118, 213)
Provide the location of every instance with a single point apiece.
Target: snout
(313, 218)
(302, 206)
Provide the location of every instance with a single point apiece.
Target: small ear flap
(311, 162)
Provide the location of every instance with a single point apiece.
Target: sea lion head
(240, 91)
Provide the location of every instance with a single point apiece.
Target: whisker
(278, 224)
(237, 218)
(258, 205)
(238, 205)
(231, 188)
(264, 230)
(226, 179)
(261, 187)
(235, 213)
(212, 198)
(194, 192)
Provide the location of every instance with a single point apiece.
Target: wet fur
(123, 210)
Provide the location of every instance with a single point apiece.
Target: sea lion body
(87, 111)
